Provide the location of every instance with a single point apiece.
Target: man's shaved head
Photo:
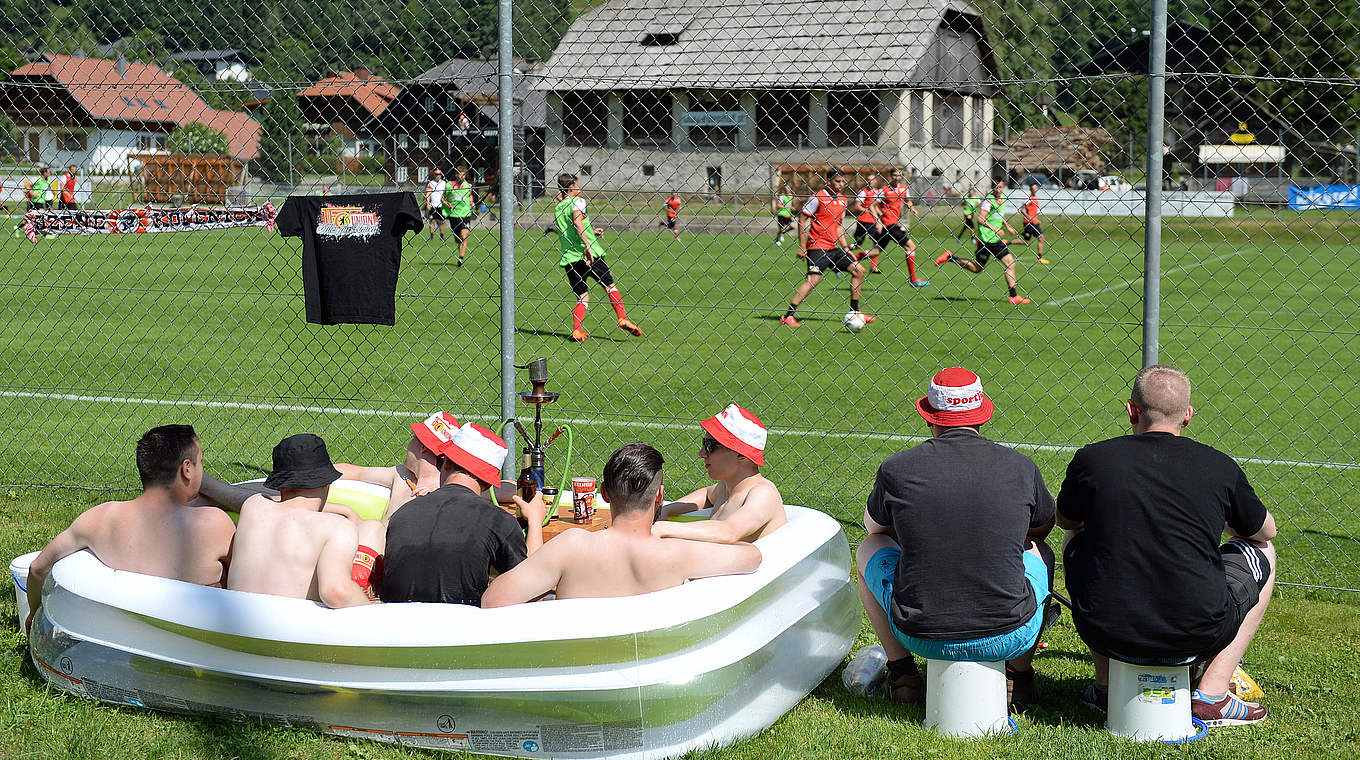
(1161, 392)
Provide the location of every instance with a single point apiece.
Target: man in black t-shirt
(441, 546)
(1149, 582)
(955, 566)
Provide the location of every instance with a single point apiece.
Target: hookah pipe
(538, 377)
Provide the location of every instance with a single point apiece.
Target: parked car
(1044, 182)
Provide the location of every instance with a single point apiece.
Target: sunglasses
(709, 445)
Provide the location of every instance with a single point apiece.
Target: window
(646, 117)
(979, 125)
(402, 174)
(160, 103)
(451, 105)
(648, 170)
(431, 104)
(585, 170)
(852, 119)
(918, 118)
(126, 99)
(585, 119)
(145, 142)
(947, 121)
(782, 119)
(161, 142)
(423, 173)
(717, 117)
(661, 39)
(424, 140)
(71, 141)
(403, 141)
(143, 103)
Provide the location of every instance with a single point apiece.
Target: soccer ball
(853, 321)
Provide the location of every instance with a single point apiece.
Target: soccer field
(106, 336)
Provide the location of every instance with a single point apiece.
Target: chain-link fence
(697, 133)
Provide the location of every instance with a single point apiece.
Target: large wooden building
(695, 95)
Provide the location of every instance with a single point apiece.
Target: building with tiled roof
(697, 95)
(344, 105)
(96, 112)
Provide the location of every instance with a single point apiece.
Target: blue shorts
(878, 578)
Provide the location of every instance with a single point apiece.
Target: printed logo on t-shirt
(336, 222)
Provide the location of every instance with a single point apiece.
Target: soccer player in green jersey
(458, 209)
(583, 257)
(970, 207)
(990, 219)
(782, 206)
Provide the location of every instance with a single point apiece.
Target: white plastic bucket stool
(966, 699)
(18, 573)
(1149, 703)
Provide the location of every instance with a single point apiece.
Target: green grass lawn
(106, 336)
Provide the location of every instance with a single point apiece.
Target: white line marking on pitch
(1126, 283)
(795, 432)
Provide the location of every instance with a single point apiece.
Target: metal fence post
(506, 148)
(1152, 233)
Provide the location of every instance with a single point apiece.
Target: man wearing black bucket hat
(290, 547)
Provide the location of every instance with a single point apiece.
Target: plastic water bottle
(866, 670)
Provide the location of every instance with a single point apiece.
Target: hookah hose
(566, 468)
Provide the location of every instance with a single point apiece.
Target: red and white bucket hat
(955, 399)
(435, 431)
(479, 451)
(738, 430)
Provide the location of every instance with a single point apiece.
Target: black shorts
(785, 220)
(1247, 568)
(434, 215)
(578, 272)
(66, 205)
(986, 251)
(892, 233)
(670, 222)
(459, 223)
(865, 230)
(1032, 229)
(820, 260)
(969, 221)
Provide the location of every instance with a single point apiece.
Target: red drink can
(582, 500)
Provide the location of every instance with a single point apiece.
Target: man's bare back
(155, 533)
(191, 544)
(288, 548)
(626, 558)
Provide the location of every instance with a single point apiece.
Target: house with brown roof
(96, 112)
(343, 105)
(695, 94)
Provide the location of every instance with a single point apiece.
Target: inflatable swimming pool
(650, 676)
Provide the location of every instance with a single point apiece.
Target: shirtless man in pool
(155, 533)
(626, 558)
(419, 473)
(746, 505)
(290, 547)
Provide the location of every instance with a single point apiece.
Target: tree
(281, 137)
(197, 138)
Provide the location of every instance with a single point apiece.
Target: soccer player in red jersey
(895, 196)
(672, 212)
(1031, 229)
(821, 241)
(867, 220)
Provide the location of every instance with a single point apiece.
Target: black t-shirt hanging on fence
(351, 251)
